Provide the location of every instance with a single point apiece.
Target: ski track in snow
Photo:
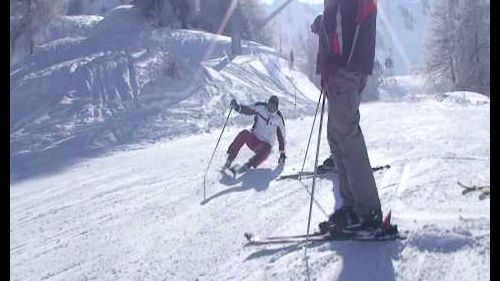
(136, 212)
(139, 214)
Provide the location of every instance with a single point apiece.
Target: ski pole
(310, 135)
(315, 168)
(210, 162)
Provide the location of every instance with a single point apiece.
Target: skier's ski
(385, 233)
(471, 188)
(300, 239)
(298, 175)
(308, 174)
(233, 171)
(250, 236)
(485, 190)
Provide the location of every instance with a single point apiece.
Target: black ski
(484, 190)
(321, 173)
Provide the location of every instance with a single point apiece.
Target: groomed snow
(138, 213)
(109, 146)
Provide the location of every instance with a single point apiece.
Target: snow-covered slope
(116, 80)
(80, 210)
(138, 214)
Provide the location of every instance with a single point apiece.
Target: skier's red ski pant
(262, 149)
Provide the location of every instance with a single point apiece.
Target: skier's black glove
(315, 27)
(282, 158)
(235, 105)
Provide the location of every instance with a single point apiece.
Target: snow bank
(462, 98)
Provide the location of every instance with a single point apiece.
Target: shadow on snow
(257, 179)
(361, 260)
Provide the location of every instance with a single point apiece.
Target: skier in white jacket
(268, 125)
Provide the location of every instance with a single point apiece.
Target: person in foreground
(347, 31)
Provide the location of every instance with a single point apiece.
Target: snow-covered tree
(210, 15)
(458, 46)
(254, 14)
(172, 13)
(27, 18)
(408, 18)
(74, 7)
(307, 52)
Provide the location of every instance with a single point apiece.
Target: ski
(387, 232)
(250, 236)
(298, 239)
(485, 190)
(468, 189)
(308, 174)
(319, 238)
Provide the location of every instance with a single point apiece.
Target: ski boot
(238, 170)
(341, 219)
(327, 166)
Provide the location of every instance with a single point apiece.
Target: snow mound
(431, 238)
(462, 98)
(118, 80)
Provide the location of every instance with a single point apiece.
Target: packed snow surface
(138, 213)
(112, 130)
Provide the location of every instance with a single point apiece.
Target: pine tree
(458, 46)
(308, 50)
(28, 18)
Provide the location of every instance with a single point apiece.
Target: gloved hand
(235, 105)
(315, 27)
(282, 158)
